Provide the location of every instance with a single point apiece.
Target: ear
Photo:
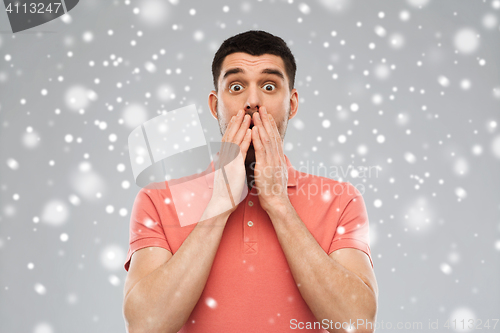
(212, 103)
(294, 103)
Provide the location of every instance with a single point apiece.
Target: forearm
(331, 291)
(164, 300)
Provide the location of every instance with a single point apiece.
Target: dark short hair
(256, 43)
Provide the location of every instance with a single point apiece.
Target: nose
(253, 101)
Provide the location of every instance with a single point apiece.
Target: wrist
(279, 209)
(217, 212)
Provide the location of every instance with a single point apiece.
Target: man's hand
(230, 175)
(271, 173)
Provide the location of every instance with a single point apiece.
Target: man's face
(248, 82)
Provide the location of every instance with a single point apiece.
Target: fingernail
(240, 112)
(263, 110)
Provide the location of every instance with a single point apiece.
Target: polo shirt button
(250, 203)
(250, 223)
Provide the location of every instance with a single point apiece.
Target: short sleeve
(146, 228)
(353, 226)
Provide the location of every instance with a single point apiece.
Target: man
(294, 254)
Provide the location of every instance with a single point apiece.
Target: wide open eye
(237, 87)
(269, 87)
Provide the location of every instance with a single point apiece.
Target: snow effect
(418, 3)
(77, 97)
(153, 12)
(43, 327)
(55, 212)
(134, 115)
(112, 257)
(460, 319)
(466, 40)
(211, 303)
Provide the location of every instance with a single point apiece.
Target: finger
(260, 153)
(226, 134)
(231, 130)
(271, 135)
(247, 139)
(224, 140)
(277, 136)
(233, 126)
(265, 140)
(245, 124)
(225, 137)
(280, 146)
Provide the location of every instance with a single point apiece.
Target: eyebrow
(264, 71)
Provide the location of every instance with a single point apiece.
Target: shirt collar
(292, 174)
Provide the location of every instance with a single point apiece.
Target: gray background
(433, 205)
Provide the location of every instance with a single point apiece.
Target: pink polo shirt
(250, 287)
